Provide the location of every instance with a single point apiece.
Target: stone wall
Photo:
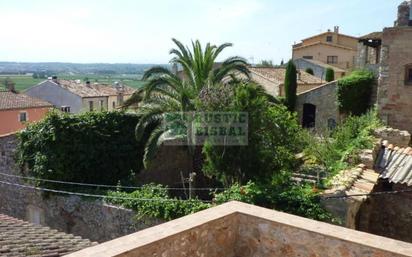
(87, 218)
(324, 98)
(388, 215)
(242, 230)
(394, 96)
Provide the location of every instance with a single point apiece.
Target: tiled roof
(19, 238)
(91, 90)
(395, 164)
(278, 75)
(373, 36)
(325, 65)
(10, 100)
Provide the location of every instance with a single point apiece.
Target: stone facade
(324, 99)
(87, 218)
(394, 90)
(394, 95)
(240, 230)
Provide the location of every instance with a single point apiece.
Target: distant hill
(72, 68)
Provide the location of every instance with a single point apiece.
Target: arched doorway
(309, 116)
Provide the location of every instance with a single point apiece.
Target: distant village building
(74, 96)
(331, 48)
(17, 110)
(319, 68)
(273, 79)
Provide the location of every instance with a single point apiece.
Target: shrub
(334, 150)
(153, 201)
(330, 75)
(354, 92)
(290, 85)
(310, 71)
(272, 141)
(90, 148)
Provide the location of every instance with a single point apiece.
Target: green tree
(271, 141)
(310, 71)
(166, 92)
(330, 75)
(290, 85)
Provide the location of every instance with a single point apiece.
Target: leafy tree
(35, 75)
(330, 75)
(282, 62)
(310, 71)
(9, 84)
(272, 140)
(166, 92)
(290, 85)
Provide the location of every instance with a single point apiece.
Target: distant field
(24, 82)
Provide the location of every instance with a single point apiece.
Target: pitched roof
(278, 75)
(328, 32)
(395, 164)
(10, 100)
(373, 36)
(90, 90)
(20, 238)
(324, 65)
(299, 46)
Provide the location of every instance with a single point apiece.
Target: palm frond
(152, 146)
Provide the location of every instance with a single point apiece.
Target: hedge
(354, 92)
(89, 148)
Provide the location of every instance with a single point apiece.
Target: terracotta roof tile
(92, 90)
(278, 75)
(10, 100)
(19, 238)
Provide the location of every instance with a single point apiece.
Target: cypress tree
(330, 75)
(310, 71)
(290, 86)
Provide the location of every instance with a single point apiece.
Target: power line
(370, 194)
(105, 186)
(93, 195)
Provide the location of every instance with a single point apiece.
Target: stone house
(76, 97)
(389, 55)
(330, 47)
(273, 79)
(17, 110)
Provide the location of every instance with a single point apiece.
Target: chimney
(54, 79)
(336, 29)
(88, 83)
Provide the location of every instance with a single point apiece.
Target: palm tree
(169, 92)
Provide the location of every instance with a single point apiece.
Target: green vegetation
(330, 75)
(291, 85)
(23, 82)
(354, 92)
(154, 201)
(339, 149)
(265, 64)
(87, 148)
(310, 71)
(272, 141)
(165, 92)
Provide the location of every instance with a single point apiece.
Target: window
(91, 106)
(308, 57)
(329, 39)
(114, 105)
(23, 116)
(65, 109)
(332, 60)
(408, 74)
(101, 105)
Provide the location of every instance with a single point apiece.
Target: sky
(140, 31)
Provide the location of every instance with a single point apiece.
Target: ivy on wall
(354, 92)
(95, 148)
